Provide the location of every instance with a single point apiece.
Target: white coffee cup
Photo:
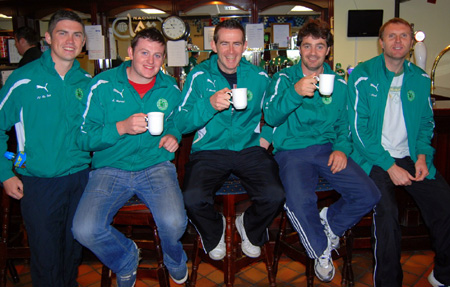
(155, 123)
(326, 84)
(239, 98)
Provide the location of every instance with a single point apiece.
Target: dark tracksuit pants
(48, 207)
(433, 200)
(208, 170)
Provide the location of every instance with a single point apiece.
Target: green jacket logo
(162, 104)
(327, 100)
(79, 93)
(411, 95)
(249, 95)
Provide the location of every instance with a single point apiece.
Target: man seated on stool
(129, 161)
(228, 141)
(311, 139)
(392, 125)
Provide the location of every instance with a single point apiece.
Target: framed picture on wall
(281, 33)
(208, 36)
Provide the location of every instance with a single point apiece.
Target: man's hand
(306, 86)
(135, 124)
(400, 176)
(264, 143)
(13, 187)
(337, 161)
(169, 142)
(220, 100)
(421, 167)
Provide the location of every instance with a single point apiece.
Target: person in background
(129, 161)
(192, 62)
(44, 102)
(228, 141)
(391, 120)
(311, 139)
(27, 44)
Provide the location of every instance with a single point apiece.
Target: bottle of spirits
(339, 70)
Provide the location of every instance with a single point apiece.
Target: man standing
(43, 100)
(311, 139)
(129, 161)
(228, 141)
(27, 44)
(392, 125)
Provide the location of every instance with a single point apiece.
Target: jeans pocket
(102, 180)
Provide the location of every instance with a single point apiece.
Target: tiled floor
(416, 266)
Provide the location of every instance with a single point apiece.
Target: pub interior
(118, 20)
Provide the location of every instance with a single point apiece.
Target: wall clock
(174, 28)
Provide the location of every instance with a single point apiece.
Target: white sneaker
(333, 238)
(433, 281)
(218, 253)
(247, 247)
(182, 280)
(324, 267)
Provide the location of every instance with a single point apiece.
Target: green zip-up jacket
(111, 99)
(228, 129)
(48, 112)
(369, 85)
(300, 121)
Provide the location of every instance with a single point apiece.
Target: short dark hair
(151, 34)
(316, 29)
(228, 24)
(28, 34)
(63, 15)
(395, 21)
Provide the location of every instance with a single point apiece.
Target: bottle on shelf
(339, 70)
(18, 158)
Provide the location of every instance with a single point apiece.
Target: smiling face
(313, 52)
(229, 48)
(396, 41)
(147, 58)
(66, 41)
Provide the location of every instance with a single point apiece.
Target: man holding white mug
(132, 157)
(311, 139)
(228, 140)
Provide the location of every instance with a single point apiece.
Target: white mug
(326, 84)
(239, 98)
(155, 123)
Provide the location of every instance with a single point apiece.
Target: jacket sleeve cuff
(387, 163)
(208, 107)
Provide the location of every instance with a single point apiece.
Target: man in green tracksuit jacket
(391, 120)
(129, 161)
(228, 141)
(44, 101)
(311, 139)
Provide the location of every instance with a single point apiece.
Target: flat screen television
(364, 23)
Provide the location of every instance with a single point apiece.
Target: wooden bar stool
(231, 193)
(134, 213)
(7, 251)
(289, 243)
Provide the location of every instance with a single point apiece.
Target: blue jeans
(299, 172)
(107, 191)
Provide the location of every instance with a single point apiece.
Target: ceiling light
(299, 8)
(4, 16)
(153, 11)
(230, 8)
